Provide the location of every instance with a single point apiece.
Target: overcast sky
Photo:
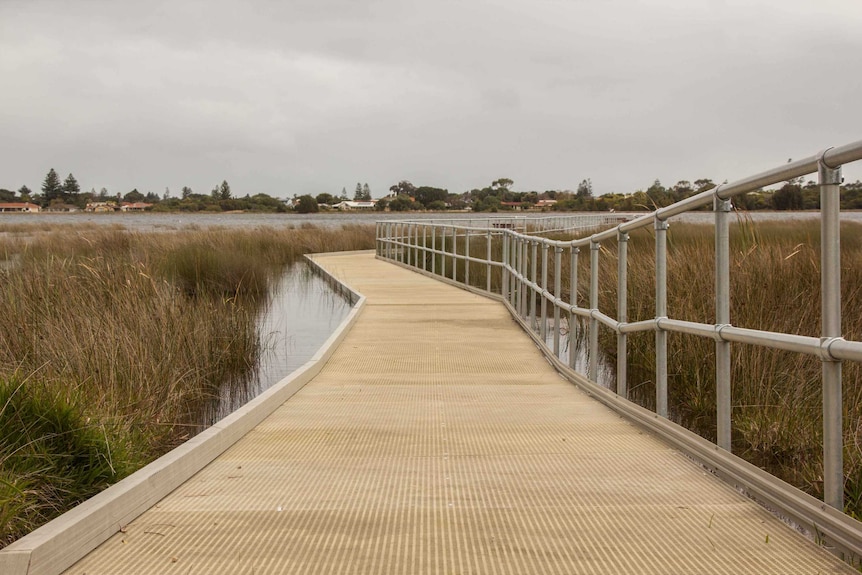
(308, 96)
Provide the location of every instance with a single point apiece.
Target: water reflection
(302, 313)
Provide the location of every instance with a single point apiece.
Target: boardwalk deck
(438, 440)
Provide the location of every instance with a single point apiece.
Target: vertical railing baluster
(558, 286)
(534, 279)
(433, 249)
(543, 326)
(594, 306)
(722, 317)
(622, 312)
(504, 273)
(443, 251)
(454, 253)
(488, 264)
(424, 248)
(573, 300)
(660, 313)
(525, 278)
(467, 257)
(830, 269)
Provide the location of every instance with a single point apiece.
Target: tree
(325, 198)
(306, 205)
(503, 184)
(167, 193)
(186, 192)
(357, 194)
(224, 190)
(585, 190)
(7, 195)
(71, 189)
(381, 205)
(403, 188)
(426, 195)
(401, 203)
(366, 192)
(134, 196)
(343, 196)
(25, 193)
(52, 189)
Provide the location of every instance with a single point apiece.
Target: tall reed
(124, 339)
(775, 286)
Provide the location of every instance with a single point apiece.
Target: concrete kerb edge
(59, 544)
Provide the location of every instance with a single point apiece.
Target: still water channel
(302, 313)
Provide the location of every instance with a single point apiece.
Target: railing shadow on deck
(511, 259)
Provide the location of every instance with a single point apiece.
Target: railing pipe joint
(826, 344)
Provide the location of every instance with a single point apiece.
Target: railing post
(488, 264)
(424, 248)
(504, 273)
(454, 254)
(830, 270)
(622, 312)
(543, 327)
(443, 251)
(434, 249)
(573, 300)
(558, 286)
(661, 312)
(534, 281)
(722, 317)
(524, 278)
(467, 256)
(594, 305)
(416, 247)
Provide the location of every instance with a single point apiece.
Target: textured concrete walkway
(438, 440)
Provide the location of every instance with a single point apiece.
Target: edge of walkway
(828, 527)
(60, 543)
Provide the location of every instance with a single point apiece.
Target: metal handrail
(523, 281)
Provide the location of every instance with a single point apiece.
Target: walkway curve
(437, 439)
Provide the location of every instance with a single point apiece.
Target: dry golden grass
(131, 335)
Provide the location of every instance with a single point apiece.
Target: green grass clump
(52, 456)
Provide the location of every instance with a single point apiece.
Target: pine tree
(71, 189)
(357, 194)
(52, 189)
(343, 194)
(224, 190)
(366, 192)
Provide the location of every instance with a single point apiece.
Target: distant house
(517, 206)
(134, 206)
(101, 207)
(62, 208)
(355, 205)
(23, 207)
(546, 203)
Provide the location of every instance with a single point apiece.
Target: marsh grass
(775, 286)
(125, 340)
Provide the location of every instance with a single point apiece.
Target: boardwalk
(438, 440)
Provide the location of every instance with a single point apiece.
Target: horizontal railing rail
(510, 257)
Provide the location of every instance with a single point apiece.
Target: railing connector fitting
(828, 174)
(826, 348)
(719, 327)
(720, 204)
(661, 224)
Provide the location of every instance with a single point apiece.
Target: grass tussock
(114, 343)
